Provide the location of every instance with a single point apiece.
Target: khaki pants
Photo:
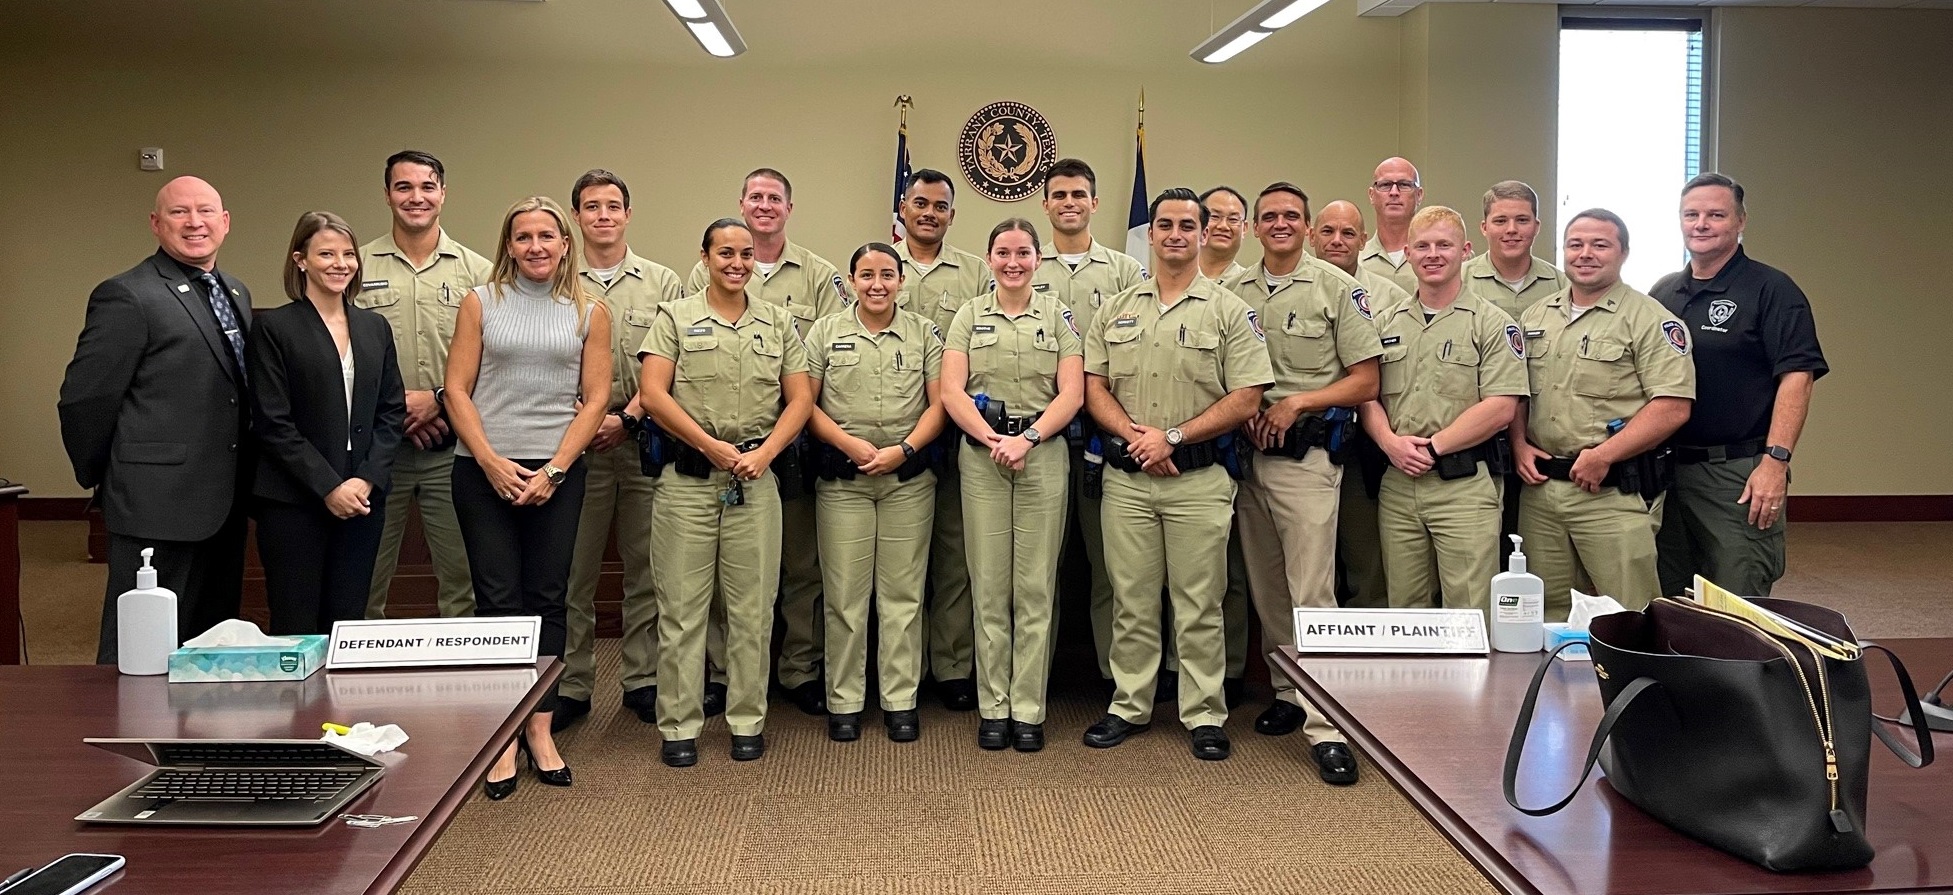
(1705, 531)
(952, 647)
(1359, 547)
(1171, 531)
(1234, 611)
(800, 591)
(1437, 538)
(1288, 524)
(1601, 543)
(1014, 524)
(1092, 536)
(426, 478)
(705, 549)
(874, 542)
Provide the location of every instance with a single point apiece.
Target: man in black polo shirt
(1756, 358)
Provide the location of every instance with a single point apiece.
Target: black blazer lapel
(191, 296)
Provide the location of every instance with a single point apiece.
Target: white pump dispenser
(145, 621)
(1518, 607)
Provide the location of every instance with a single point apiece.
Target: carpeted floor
(941, 816)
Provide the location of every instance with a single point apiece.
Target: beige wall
(1466, 89)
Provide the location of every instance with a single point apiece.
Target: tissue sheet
(367, 739)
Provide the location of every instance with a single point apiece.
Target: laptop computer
(245, 782)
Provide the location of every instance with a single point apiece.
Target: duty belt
(1186, 457)
(1494, 452)
(1741, 450)
(1561, 469)
(1311, 431)
(690, 461)
(1007, 427)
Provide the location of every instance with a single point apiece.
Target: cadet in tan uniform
(616, 487)
(1337, 237)
(1175, 366)
(725, 375)
(1611, 380)
(1507, 273)
(1227, 222)
(877, 495)
(415, 277)
(1395, 193)
(809, 288)
(1017, 348)
(937, 280)
(1324, 347)
(1452, 376)
(1084, 275)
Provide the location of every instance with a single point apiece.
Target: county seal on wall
(1005, 149)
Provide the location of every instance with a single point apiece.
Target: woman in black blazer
(328, 407)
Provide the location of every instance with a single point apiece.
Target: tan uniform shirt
(1482, 280)
(957, 277)
(1373, 259)
(804, 283)
(633, 298)
(1318, 322)
(1622, 352)
(873, 383)
(1383, 290)
(1168, 367)
(1103, 274)
(1228, 275)
(1015, 359)
(728, 372)
(420, 303)
(1432, 372)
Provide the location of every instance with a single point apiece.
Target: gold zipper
(1813, 696)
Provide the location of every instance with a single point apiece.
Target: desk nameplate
(1432, 631)
(428, 642)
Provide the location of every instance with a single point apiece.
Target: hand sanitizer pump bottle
(145, 621)
(1518, 607)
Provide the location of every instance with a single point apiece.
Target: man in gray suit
(155, 409)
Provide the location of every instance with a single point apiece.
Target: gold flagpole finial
(903, 102)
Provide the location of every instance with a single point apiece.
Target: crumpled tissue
(368, 739)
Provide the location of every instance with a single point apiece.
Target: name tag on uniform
(698, 330)
(1040, 287)
(984, 328)
(375, 284)
(1392, 340)
(1535, 334)
(841, 346)
(1128, 320)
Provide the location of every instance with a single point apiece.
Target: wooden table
(1438, 727)
(457, 721)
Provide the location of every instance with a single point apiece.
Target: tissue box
(249, 663)
(1558, 633)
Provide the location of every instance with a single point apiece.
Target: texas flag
(1137, 220)
(896, 231)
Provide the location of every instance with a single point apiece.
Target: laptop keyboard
(226, 785)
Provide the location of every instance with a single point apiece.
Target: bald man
(1395, 193)
(153, 411)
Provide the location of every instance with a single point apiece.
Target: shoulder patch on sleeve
(1254, 323)
(1070, 320)
(1144, 274)
(1677, 335)
(1515, 341)
(840, 288)
(937, 330)
(1361, 299)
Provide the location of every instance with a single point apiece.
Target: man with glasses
(1228, 219)
(1757, 357)
(1395, 193)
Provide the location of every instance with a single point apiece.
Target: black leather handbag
(1756, 744)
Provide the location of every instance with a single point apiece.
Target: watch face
(1778, 453)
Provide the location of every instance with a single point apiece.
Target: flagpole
(895, 229)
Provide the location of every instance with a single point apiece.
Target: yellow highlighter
(339, 729)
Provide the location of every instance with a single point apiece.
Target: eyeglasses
(1232, 220)
(1398, 186)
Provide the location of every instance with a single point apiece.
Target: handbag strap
(1517, 746)
(1917, 713)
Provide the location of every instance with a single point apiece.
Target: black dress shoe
(1028, 737)
(904, 726)
(1110, 731)
(569, 710)
(810, 697)
(680, 753)
(1167, 689)
(715, 698)
(1210, 743)
(1336, 763)
(558, 777)
(844, 727)
(958, 695)
(497, 790)
(747, 748)
(1234, 691)
(1280, 719)
(643, 701)
(993, 734)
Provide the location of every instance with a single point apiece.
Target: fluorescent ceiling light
(710, 26)
(1252, 27)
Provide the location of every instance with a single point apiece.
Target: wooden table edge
(1459, 833)
(432, 826)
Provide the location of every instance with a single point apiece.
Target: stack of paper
(1713, 597)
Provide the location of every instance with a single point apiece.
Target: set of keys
(376, 821)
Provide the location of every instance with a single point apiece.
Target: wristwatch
(1778, 453)
(908, 450)
(1033, 436)
(629, 422)
(554, 475)
(1174, 436)
(441, 396)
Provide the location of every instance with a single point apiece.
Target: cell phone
(67, 875)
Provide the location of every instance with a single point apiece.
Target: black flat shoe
(497, 790)
(844, 727)
(993, 734)
(1028, 737)
(644, 702)
(679, 753)
(958, 695)
(1335, 763)
(748, 748)
(569, 710)
(715, 699)
(810, 697)
(903, 727)
(558, 777)
(1280, 719)
(1210, 743)
(1110, 731)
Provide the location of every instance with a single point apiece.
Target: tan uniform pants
(426, 478)
(1014, 529)
(1437, 538)
(1288, 525)
(874, 537)
(1359, 547)
(800, 592)
(1601, 543)
(1171, 531)
(705, 549)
